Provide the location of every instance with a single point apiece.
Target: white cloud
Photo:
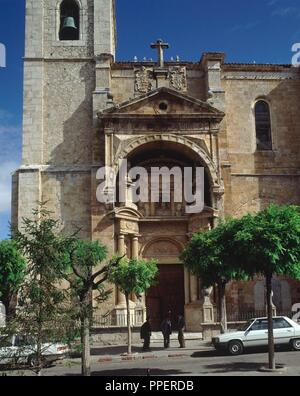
(271, 3)
(247, 26)
(289, 12)
(6, 170)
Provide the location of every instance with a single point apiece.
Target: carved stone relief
(163, 248)
(178, 78)
(129, 227)
(143, 80)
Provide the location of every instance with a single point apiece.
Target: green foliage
(269, 242)
(88, 254)
(85, 280)
(12, 267)
(44, 247)
(44, 312)
(85, 257)
(209, 254)
(133, 275)
(46, 253)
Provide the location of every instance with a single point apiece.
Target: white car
(255, 334)
(19, 349)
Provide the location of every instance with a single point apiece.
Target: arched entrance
(167, 295)
(162, 228)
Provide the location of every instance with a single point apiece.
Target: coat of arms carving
(143, 80)
(178, 78)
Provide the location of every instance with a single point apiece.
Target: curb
(124, 359)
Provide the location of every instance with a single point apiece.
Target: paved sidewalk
(106, 354)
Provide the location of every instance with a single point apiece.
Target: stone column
(140, 301)
(121, 250)
(134, 255)
(193, 288)
(121, 244)
(135, 247)
(208, 308)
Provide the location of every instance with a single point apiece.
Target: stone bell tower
(64, 39)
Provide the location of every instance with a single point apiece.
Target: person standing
(181, 329)
(146, 334)
(166, 328)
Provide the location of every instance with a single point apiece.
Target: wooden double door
(167, 295)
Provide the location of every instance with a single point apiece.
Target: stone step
(158, 337)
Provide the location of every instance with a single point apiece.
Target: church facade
(84, 110)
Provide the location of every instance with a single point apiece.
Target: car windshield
(24, 340)
(245, 326)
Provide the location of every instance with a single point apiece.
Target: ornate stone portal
(161, 230)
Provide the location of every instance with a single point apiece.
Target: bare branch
(77, 271)
(95, 285)
(106, 268)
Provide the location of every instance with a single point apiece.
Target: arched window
(263, 125)
(69, 20)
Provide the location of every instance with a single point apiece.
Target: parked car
(21, 349)
(255, 334)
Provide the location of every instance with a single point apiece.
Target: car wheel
(235, 348)
(296, 344)
(32, 361)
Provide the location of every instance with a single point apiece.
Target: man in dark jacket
(146, 334)
(181, 328)
(166, 328)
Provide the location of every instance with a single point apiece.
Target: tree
(209, 256)
(86, 283)
(44, 305)
(133, 276)
(12, 268)
(268, 243)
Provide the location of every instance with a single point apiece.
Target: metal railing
(235, 316)
(112, 319)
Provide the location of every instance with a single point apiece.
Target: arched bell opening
(69, 21)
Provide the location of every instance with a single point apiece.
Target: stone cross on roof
(160, 46)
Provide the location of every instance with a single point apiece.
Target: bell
(69, 23)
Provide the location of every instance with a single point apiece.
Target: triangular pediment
(163, 103)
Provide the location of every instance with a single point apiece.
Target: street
(201, 363)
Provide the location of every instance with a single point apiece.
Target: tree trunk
(39, 354)
(39, 361)
(10, 304)
(85, 342)
(222, 306)
(128, 324)
(272, 364)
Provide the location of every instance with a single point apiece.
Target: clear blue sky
(261, 30)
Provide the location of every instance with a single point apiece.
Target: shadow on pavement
(133, 372)
(250, 351)
(141, 372)
(207, 354)
(118, 350)
(232, 367)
